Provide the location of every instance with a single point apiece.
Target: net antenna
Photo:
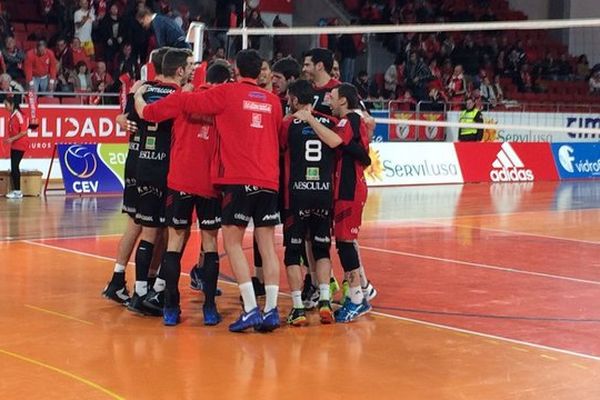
(195, 36)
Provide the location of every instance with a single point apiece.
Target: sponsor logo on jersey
(296, 241)
(152, 155)
(508, 167)
(271, 217)
(322, 239)
(342, 123)
(150, 143)
(241, 217)
(256, 121)
(302, 185)
(257, 107)
(312, 174)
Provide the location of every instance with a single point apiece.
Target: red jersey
(17, 124)
(350, 183)
(248, 120)
(322, 101)
(193, 144)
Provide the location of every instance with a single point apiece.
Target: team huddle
(227, 150)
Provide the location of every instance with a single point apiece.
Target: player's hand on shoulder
(303, 115)
(136, 86)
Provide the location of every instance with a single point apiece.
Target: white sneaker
(15, 194)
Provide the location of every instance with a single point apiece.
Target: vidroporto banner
(577, 160)
(93, 168)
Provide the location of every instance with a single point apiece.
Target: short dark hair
(321, 55)
(302, 90)
(218, 72)
(142, 12)
(174, 59)
(249, 63)
(15, 100)
(157, 57)
(288, 67)
(349, 92)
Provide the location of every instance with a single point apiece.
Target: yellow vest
(468, 117)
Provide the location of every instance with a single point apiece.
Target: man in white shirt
(84, 20)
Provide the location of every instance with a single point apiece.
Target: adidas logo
(508, 167)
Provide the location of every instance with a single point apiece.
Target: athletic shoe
(116, 292)
(136, 305)
(211, 315)
(197, 280)
(297, 317)
(171, 316)
(334, 287)
(259, 287)
(252, 318)
(270, 321)
(369, 291)
(350, 311)
(155, 300)
(325, 312)
(15, 194)
(310, 295)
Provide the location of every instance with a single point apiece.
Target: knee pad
(348, 256)
(320, 251)
(292, 255)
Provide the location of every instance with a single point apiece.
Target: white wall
(534, 9)
(585, 41)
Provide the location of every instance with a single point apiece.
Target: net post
(195, 36)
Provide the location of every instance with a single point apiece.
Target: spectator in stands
(111, 31)
(7, 84)
(594, 83)
(498, 91)
(64, 55)
(407, 102)
(79, 53)
(457, 88)
(362, 84)
(40, 68)
(254, 20)
(165, 29)
(468, 116)
(582, 68)
(101, 76)
(6, 28)
(65, 12)
(13, 58)
(417, 75)
(83, 80)
(435, 102)
(525, 81)
(347, 47)
(66, 82)
(486, 90)
(549, 67)
(84, 19)
(393, 77)
(126, 63)
(565, 70)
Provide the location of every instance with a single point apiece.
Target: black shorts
(244, 202)
(130, 197)
(312, 224)
(151, 206)
(181, 205)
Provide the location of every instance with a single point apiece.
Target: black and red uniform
(153, 161)
(130, 192)
(350, 183)
(322, 99)
(193, 146)
(309, 184)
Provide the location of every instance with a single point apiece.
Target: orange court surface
(486, 291)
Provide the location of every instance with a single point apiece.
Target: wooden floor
(485, 292)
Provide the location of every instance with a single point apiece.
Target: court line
(480, 265)
(63, 372)
(417, 321)
(58, 314)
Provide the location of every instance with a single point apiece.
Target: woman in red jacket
(19, 143)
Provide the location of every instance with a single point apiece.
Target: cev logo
(80, 161)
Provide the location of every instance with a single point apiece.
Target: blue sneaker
(171, 316)
(211, 315)
(350, 311)
(252, 318)
(365, 307)
(270, 321)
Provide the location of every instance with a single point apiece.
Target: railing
(74, 98)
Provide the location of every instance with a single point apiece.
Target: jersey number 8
(313, 150)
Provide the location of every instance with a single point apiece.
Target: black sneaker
(297, 317)
(259, 287)
(155, 301)
(117, 292)
(136, 305)
(310, 294)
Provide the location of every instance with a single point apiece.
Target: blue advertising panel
(381, 133)
(577, 160)
(92, 168)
